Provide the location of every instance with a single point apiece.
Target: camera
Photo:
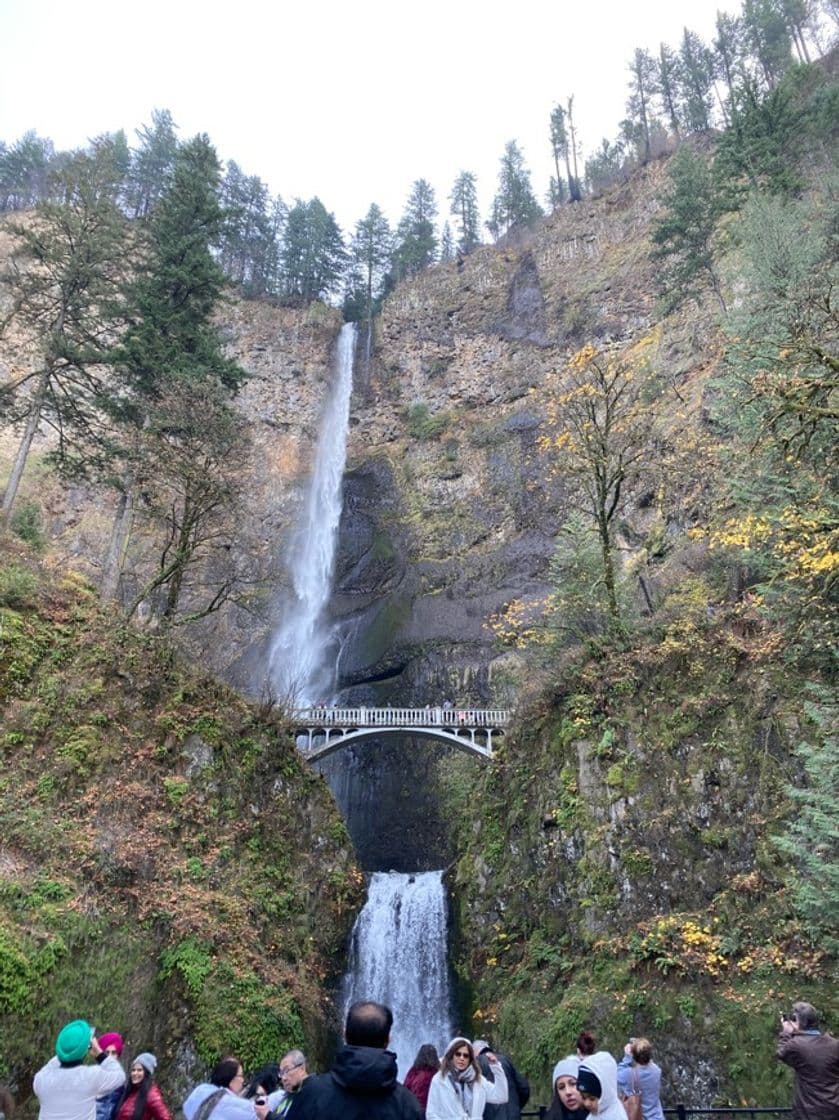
(786, 1018)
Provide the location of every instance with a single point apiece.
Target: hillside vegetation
(168, 865)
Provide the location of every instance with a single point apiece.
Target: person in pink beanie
(106, 1105)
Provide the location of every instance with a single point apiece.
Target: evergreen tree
(785, 329)
(812, 835)
(768, 37)
(729, 58)
(369, 259)
(642, 71)
(696, 71)
(666, 85)
(152, 163)
(313, 255)
(247, 250)
(66, 275)
(172, 366)
(799, 15)
(562, 145)
(464, 206)
(514, 203)
(606, 166)
(416, 242)
(24, 171)
(447, 244)
(557, 192)
(684, 234)
(760, 151)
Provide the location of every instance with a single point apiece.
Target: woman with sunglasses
(458, 1091)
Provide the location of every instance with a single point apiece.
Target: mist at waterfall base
(399, 945)
(299, 665)
(399, 956)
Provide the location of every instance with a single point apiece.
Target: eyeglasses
(286, 1070)
(462, 1054)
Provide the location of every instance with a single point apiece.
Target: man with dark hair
(815, 1059)
(368, 1024)
(362, 1083)
(519, 1087)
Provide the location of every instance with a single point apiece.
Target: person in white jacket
(597, 1084)
(67, 1089)
(458, 1091)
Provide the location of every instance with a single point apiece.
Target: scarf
(462, 1083)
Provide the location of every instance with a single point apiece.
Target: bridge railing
(321, 716)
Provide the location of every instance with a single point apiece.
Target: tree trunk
(608, 568)
(32, 421)
(115, 559)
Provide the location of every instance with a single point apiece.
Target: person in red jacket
(141, 1098)
(426, 1064)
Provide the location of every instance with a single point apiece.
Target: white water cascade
(298, 662)
(399, 953)
(399, 956)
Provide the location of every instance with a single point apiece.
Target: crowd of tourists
(470, 1081)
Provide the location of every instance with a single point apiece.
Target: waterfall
(399, 956)
(299, 668)
(399, 943)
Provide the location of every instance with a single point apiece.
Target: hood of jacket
(364, 1069)
(605, 1068)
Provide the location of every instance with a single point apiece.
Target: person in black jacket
(519, 1086)
(362, 1083)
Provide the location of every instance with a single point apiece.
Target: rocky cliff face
(448, 514)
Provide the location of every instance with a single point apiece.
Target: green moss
(422, 425)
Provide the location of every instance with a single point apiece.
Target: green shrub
(422, 425)
(18, 587)
(26, 523)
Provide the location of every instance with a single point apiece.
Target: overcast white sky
(349, 100)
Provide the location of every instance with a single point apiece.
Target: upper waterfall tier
(300, 667)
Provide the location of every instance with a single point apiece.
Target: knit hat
(111, 1038)
(566, 1067)
(588, 1082)
(147, 1061)
(73, 1041)
(458, 1038)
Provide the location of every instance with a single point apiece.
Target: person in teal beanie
(66, 1088)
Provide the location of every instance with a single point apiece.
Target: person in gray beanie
(141, 1098)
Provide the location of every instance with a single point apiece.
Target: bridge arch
(323, 731)
(325, 741)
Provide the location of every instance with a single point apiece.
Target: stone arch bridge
(321, 731)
